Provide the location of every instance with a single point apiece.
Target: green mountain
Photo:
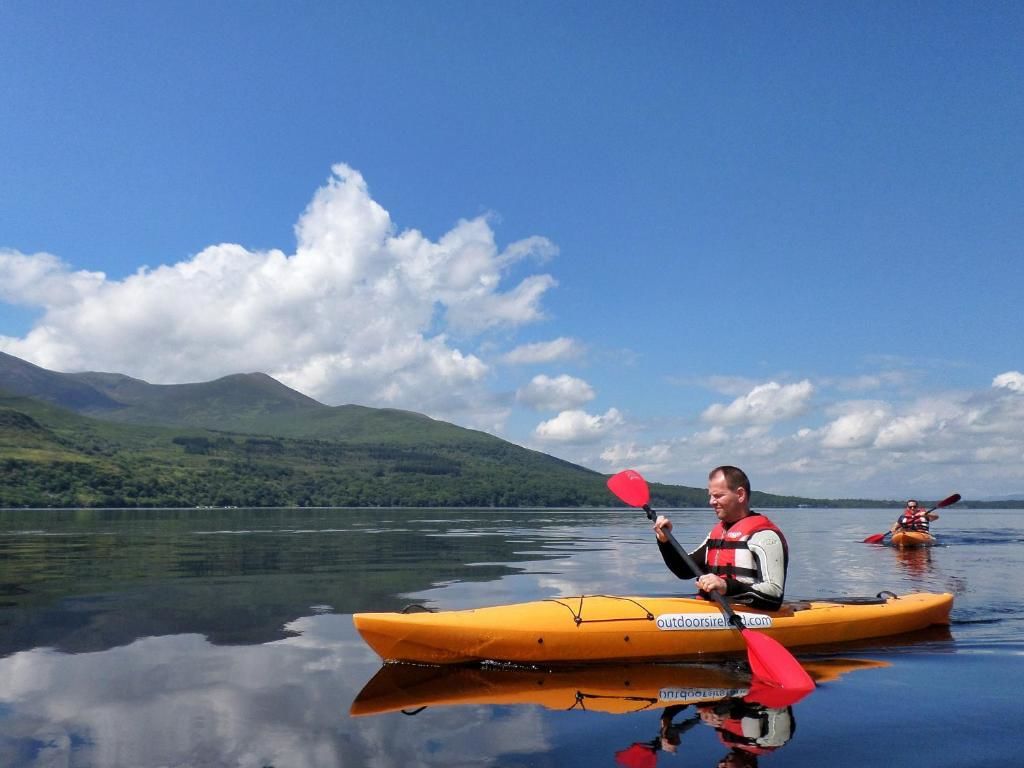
(23, 378)
(251, 403)
(105, 439)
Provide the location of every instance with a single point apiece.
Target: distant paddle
(876, 538)
(770, 662)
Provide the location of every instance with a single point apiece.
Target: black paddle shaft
(723, 604)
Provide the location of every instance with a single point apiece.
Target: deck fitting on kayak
(577, 613)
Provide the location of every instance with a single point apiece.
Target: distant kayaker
(745, 554)
(913, 518)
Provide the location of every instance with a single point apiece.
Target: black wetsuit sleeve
(677, 565)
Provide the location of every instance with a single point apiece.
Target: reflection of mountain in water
(96, 579)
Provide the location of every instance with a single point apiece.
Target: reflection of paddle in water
(644, 754)
(750, 723)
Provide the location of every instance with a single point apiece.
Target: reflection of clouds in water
(179, 701)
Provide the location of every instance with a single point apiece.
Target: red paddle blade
(772, 697)
(874, 538)
(775, 666)
(637, 756)
(947, 501)
(630, 486)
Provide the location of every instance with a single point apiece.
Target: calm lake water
(225, 638)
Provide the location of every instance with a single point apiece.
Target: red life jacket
(729, 556)
(918, 521)
(757, 730)
(730, 733)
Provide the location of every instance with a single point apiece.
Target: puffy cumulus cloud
(964, 440)
(717, 435)
(764, 404)
(857, 429)
(349, 317)
(561, 393)
(270, 704)
(905, 432)
(641, 458)
(576, 426)
(562, 348)
(1012, 380)
(42, 279)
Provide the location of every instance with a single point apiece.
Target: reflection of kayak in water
(614, 689)
(905, 539)
(626, 629)
(916, 560)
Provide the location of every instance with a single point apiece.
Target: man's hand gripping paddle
(770, 662)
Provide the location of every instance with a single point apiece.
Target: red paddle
(771, 663)
(876, 538)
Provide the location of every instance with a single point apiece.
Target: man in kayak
(745, 555)
(913, 518)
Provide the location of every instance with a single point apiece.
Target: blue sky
(654, 235)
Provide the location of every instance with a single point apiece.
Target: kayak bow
(905, 539)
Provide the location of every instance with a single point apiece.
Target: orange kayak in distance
(905, 539)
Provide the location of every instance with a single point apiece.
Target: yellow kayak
(617, 689)
(904, 539)
(603, 628)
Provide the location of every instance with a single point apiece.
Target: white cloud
(561, 393)
(717, 435)
(907, 432)
(963, 440)
(351, 316)
(640, 458)
(562, 348)
(89, 708)
(857, 429)
(764, 404)
(578, 427)
(1012, 380)
(42, 279)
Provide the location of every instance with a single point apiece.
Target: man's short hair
(735, 477)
